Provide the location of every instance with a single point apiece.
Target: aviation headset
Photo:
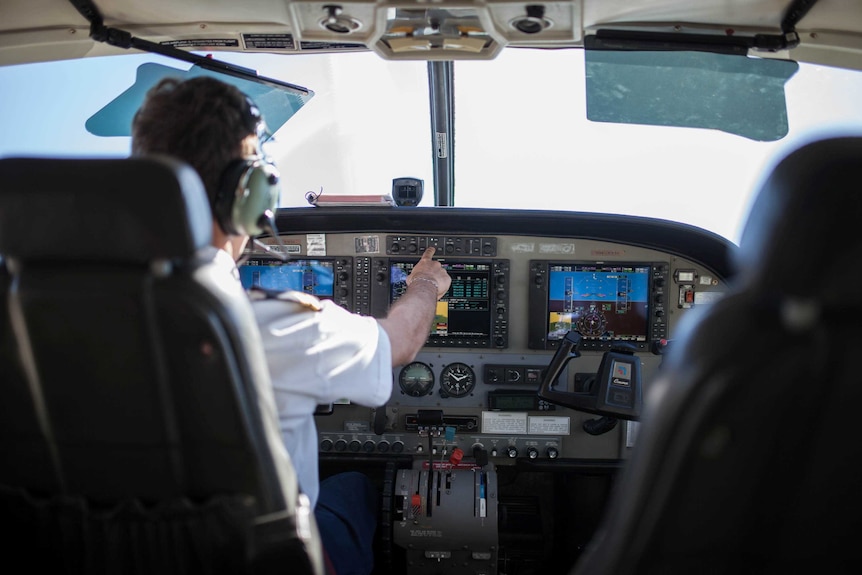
(249, 187)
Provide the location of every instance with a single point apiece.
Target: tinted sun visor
(736, 94)
(277, 101)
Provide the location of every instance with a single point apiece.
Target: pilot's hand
(427, 269)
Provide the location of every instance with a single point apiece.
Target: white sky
(522, 140)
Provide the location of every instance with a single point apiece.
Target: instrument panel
(472, 314)
(472, 388)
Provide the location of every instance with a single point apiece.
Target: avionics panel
(472, 314)
(326, 278)
(606, 302)
(474, 311)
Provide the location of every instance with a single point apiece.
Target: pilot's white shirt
(320, 357)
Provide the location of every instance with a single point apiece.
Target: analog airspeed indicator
(416, 379)
(457, 380)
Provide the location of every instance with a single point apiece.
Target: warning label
(268, 41)
(203, 43)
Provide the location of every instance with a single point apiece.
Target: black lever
(380, 420)
(480, 454)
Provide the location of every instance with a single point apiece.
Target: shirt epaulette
(307, 301)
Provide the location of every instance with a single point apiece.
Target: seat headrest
(801, 235)
(125, 210)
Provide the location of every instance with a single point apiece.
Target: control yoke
(617, 391)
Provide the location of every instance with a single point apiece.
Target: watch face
(457, 380)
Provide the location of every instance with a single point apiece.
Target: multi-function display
(604, 302)
(472, 312)
(599, 301)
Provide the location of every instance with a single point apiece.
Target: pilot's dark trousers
(346, 513)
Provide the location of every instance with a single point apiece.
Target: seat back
(138, 430)
(746, 460)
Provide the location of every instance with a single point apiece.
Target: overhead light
(409, 44)
(451, 31)
(533, 23)
(335, 22)
(465, 44)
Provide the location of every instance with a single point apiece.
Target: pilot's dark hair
(201, 121)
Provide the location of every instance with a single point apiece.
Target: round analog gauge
(416, 379)
(457, 380)
(592, 323)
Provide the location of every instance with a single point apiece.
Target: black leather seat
(138, 431)
(747, 460)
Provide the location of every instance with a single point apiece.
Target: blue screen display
(599, 301)
(311, 276)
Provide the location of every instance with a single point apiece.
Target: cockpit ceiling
(829, 31)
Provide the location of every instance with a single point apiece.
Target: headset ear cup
(257, 198)
(227, 194)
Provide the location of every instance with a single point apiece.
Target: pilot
(317, 352)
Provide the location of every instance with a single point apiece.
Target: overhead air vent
(533, 22)
(335, 21)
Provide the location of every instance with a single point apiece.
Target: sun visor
(278, 102)
(737, 94)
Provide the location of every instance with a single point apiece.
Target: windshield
(521, 138)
